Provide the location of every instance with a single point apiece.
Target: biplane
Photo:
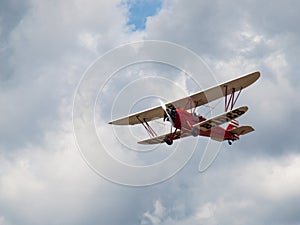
(186, 123)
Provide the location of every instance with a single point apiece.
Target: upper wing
(219, 91)
(197, 99)
(160, 139)
(220, 119)
(145, 116)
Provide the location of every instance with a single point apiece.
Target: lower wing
(205, 126)
(221, 119)
(161, 138)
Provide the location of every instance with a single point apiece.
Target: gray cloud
(11, 14)
(236, 38)
(47, 52)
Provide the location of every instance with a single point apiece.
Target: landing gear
(229, 142)
(168, 140)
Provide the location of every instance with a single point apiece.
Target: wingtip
(256, 75)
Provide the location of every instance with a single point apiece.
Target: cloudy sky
(45, 48)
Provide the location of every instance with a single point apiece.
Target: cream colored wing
(143, 116)
(219, 91)
(192, 101)
(221, 119)
(160, 139)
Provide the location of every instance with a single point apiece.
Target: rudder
(233, 124)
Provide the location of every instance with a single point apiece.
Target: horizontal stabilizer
(242, 130)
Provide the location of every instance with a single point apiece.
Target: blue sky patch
(139, 10)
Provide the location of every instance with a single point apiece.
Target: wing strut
(148, 128)
(229, 103)
(190, 104)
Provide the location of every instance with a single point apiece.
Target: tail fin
(233, 124)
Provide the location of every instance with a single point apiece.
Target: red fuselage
(185, 121)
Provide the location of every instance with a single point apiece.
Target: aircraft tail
(233, 124)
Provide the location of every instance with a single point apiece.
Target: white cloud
(252, 190)
(156, 216)
(279, 178)
(49, 50)
(206, 211)
(43, 178)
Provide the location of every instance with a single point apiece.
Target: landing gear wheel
(195, 131)
(168, 140)
(229, 142)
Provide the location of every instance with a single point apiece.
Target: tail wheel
(168, 140)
